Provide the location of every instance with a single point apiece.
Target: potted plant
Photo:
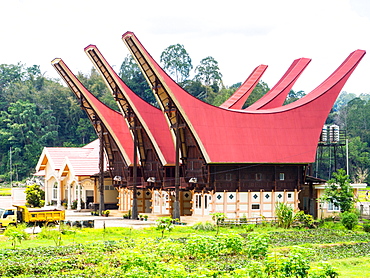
(106, 213)
(145, 217)
(141, 217)
(126, 216)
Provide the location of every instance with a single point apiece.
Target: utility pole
(101, 169)
(10, 167)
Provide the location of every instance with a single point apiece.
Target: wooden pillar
(176, 204)
(134, 187)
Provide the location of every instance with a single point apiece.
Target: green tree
(359, 159)
(339, 191)
(95, 84)
(222, 96)
(343, 100)
(195, 88)
(259, 91)
(208, 72)
(131, 74)
(293, 96)
(23, 127)
(35, 196)
(38, 112)
(177, 62)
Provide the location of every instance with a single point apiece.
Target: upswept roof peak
(287, 134)
(150, 118)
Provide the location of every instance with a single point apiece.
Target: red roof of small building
(56, 156)
(287, 134)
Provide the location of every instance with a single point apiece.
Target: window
(55, 191)
(157, 198)
(198, 201)
(332, 207)
(8, 212)
(258, 176)
(281, 176)
(255, 206)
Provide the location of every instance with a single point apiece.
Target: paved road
(100, 222)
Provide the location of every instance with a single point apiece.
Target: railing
(245, 221)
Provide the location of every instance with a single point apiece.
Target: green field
(5, 191)
(248, 251)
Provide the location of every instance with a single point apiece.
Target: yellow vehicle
(22, 214)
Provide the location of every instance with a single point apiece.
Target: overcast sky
(240, 35)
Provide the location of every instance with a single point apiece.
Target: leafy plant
(257, 245)
(16, 234)
(284, 214)
(218, 217)
(293, 264)
(349, 220)
(204, 226)
(164, 224)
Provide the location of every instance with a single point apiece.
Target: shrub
(51, 233)
(16, 234)
(349, 220)
(294, 264)
(366, 226)
(204, 226)
(305, 219)
(284, 214)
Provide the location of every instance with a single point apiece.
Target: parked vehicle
(22, 214)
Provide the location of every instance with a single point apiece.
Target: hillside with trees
(37, 111)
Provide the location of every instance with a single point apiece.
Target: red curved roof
(287, 134)
(151, 118)
(237, 100)
(277, 95)
(112, 119)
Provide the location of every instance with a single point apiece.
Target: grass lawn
(352, 267)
